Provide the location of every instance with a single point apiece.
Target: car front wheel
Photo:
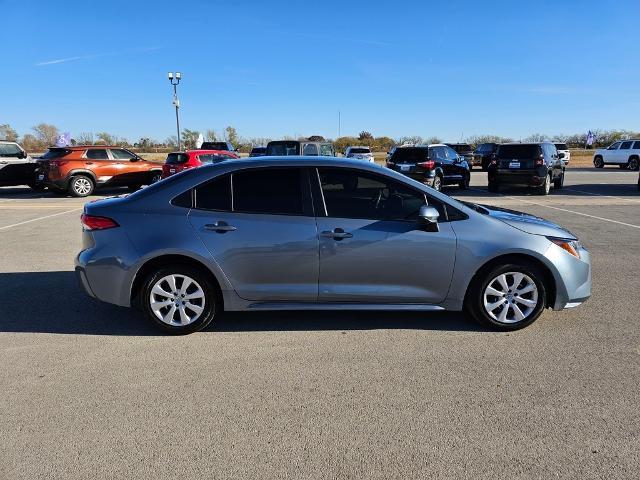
(546, 186)
(634, 164)
(507, 297)
(179, 299)
(598, 162)
(81, 186)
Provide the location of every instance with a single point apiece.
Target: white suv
(564, 150)
(359, 153)
(625, 154)
(16, 167)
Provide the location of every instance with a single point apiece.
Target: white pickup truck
(625, 154)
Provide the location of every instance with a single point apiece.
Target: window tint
(283, 148)
(10, 150)
(270, 191)
(176, 158)
(216, 146)
(451, 153)
(310, 149)
(213, 158)
(182, 200)
(636, 145)
(215, 194)
(122, 154)
(614, 146)
(439, 153)
(326, 150)
(409, 155)
(625, 145)
(97, 154)
(354, 194)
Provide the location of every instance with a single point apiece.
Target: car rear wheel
(179, 299)
(623, 166)
(634, 164)
(546, 186)
(598, 162)
(81, 186)
(558, 183)
(464, 184)
(507, 297)
(155, 177)
(437, 183)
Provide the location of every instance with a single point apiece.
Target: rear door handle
(220, 227)
(336, 234)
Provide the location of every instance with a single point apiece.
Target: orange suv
(79, 170)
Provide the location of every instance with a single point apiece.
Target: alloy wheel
(82, 186)
(510, 297)
(177, 300)
(437, 183)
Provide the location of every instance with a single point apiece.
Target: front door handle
(220, 227)
(337, 234)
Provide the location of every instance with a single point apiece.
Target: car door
(372, 247)
(452, 166)
(624, 151)
(16, 168)
(100, 163)
(264, 235)
(129, 169)
(612, 153)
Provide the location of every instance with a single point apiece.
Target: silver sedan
(318, 233)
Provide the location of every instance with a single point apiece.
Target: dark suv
(535, 165)
(226, 146)
(484, 153)
(300, 147)
(466, 152)
(433, 165)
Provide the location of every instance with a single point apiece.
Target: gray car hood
(528, 223)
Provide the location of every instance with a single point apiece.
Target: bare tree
(46, 133)
(106, 138)
(85, 138)
(7, 133)
(211, 135)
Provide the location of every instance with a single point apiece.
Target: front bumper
(572, 277)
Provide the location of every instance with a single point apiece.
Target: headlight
(570, 246)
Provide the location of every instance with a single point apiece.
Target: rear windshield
(259, 149)
(561, 146)
(9, 150)
(213, 158)
(486, 147)
(518, 151)
(283, 148)
(176, 158)
(360, 150)
(55, 153)
(214, 146)
(409, 155)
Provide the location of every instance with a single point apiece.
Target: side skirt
(344, 306)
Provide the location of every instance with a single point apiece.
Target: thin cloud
(95, 55)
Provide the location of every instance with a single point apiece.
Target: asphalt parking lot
(90, 390)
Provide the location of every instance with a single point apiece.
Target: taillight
(429, 164)
(93, 222)
(540, 161)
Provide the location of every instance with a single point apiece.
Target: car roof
(83, 147)
(525, 143)
(201, 150)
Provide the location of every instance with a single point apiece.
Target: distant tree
(478, 139)
(85, 138)
(430, 140)
(364, 135)
(171, 142)
(106, 138)
(536, 137)
(7, 133)
(189, 138)
(32, 144)
(231, 135)
(211, 135)
(383, 144)
(316, 138)
(415, 140)
(46, 133)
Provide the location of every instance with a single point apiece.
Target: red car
(179, 161)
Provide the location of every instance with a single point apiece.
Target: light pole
(177, 76)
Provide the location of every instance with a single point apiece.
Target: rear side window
(97, 154)
(176, 158)
(122, 154)
(625, 145)
(269, 191)
(310, 149)
(518, 151)
(214, 195)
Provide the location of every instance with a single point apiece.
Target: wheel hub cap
(510, 297)
(177, 300)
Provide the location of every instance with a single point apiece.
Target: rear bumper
(530, 178)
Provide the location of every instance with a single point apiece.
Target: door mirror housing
(134, 159)
(22, 154)
(428, 217)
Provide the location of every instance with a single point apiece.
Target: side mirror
(429, 218)
(134, 159)
(23, 154)
(560, 155)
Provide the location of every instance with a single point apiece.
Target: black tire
(154, 177)
(558, 183)
(474, 300)
(437, 183)
(494, 187)
(81, 186)
(37, 187)
(464, 184)
(546, 186)
(212, 302)
(634, 163)
(623, 166)
(598, 162)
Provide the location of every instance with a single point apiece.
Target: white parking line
(602, 195)
(40, 218)
(563, 210)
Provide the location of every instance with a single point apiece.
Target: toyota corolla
(318, 233)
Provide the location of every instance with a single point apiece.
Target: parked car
(80, 169)
(361, 237)
(297, 147)
(625, 154)
(17, 167)
(390, 152)
(465, 151)
(258, 152)
(359, 153)
(485, 152)
(534, 165)
(563, 152)
(434, 165)
(222, 146)
(179, 161)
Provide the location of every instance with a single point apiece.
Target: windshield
(485, 148)
(214, 146)
(561, 146)
(176, 158)
(360, 150)
(519, 151)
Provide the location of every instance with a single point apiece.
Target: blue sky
(275, 68)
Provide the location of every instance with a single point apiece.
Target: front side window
(354, 194)
(275, 191)
(97, 154)
(451, 153)
(625, 145)
(614, 146)
(310, 149)
(120, 154)
(8, 150)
